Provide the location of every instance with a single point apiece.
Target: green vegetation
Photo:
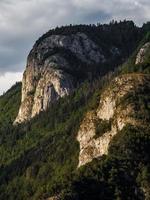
(9, 104)
(140, 99)
(39, 159)
(120, 175)
(102, 126)
(36, 157)
(130, 66)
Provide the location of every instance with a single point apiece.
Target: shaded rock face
(113, 109)
(142, 53)
(46, 77)
(79, 44)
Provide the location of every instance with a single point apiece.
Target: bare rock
(111, 109)
(46, 77)
(142, 53)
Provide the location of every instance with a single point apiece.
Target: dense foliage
(102, 126)
(123, 174)
(36, 157)
(9, 103)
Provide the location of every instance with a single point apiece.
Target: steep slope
(91, 144)
(115, 111)
(59, 62)
(112, 115)
(118, 128)
(45, 79)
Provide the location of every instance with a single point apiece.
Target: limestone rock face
(47, 76)
(142, 53)
(111, 108)
(51, 85)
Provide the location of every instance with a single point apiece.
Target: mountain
(82, 131)
(65, 57)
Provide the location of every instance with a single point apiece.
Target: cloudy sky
(23, 21)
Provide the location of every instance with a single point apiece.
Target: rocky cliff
(47, 76)
(114, 112)
(64, 57)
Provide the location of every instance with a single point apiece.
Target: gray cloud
(22, 22)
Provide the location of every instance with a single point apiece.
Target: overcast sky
(23, 21)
